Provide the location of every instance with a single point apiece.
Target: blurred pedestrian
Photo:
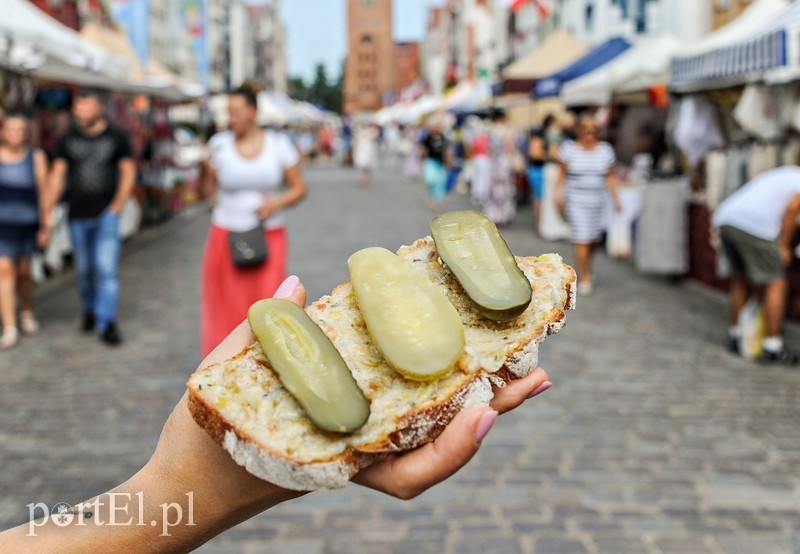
(412, 150)
(538, 155)
(325, 139)
(587, 174)
(501, 203)
(481, 163)
(365, 152)
(93, 164)
(434, 153)
(756, 224)
(246, 173)
(25, 221)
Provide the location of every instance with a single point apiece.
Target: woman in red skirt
(254, 175)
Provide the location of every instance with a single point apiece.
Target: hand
(786, 255)
(410, 474)
(617, 206)
(43, 237)
(115, 209)
(268, 208)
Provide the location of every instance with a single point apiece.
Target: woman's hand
(190, 473)
(43, 238)
(269, 208)
(410, 474)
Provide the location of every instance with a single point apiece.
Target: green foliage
(322, 91)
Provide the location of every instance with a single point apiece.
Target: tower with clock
(369, 69)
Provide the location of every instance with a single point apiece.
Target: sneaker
(88, 322)
(782, 356)
(585, 288)
(9, 339)
(733, 345)
(28, 323)
(111, 335)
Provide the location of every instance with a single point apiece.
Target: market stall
(558, 50)
(645, 64)
(736, 116)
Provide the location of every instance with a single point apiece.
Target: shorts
(759, 260)
(17, 241)
(536, 180)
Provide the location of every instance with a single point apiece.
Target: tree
(321, 91)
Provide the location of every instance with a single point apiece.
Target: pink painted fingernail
(543, 387)
(287, 287)
(485, 425)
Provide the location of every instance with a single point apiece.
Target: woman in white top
(587, 170)
(247, 169)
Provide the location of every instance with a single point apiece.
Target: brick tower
(369, 72)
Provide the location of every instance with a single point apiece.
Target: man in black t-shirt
(94, 169)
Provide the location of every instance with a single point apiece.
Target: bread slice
(244, 408)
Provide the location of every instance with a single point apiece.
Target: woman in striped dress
(583, 187)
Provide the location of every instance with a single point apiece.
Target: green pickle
(308, 365)
(472, 247)
(415, 327)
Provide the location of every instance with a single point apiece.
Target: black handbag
(249, 248)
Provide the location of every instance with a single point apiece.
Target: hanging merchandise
(755, 112)
(697, 131)
(662, 233)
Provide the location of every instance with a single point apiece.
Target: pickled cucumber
(308, 365)
(413, 324)
(472, 247)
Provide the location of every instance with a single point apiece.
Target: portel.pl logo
(112, 510)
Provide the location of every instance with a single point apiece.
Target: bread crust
(411, 430)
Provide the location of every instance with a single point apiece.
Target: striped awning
(600, 56)
(772, 47)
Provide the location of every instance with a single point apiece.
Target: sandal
(9, 338)
(28, 323)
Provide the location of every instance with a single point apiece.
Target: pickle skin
(417, 330)
(469, 243)
(309, 366)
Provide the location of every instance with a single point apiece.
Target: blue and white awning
(551, 85)
(768, 50)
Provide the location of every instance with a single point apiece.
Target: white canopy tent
(41, 41)
(35, 44)
(642, 66)
(478, 98)
(697, 67)
(424, 105)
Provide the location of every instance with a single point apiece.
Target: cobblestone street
(653, 440)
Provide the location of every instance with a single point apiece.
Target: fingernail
(543, 387)
(287, 287)
(485, 425)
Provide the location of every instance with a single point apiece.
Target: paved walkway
(653, 440)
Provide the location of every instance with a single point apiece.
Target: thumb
(410, 474)
(291, 289)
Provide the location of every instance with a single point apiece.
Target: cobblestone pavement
(653, 440)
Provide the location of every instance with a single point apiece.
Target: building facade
(725, 11)
(369, 81)
(265, 61)
(75, 13)
(594, 21)
(170, 42)
(406, 65)
(464, 40)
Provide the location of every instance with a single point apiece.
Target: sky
(316, 31)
